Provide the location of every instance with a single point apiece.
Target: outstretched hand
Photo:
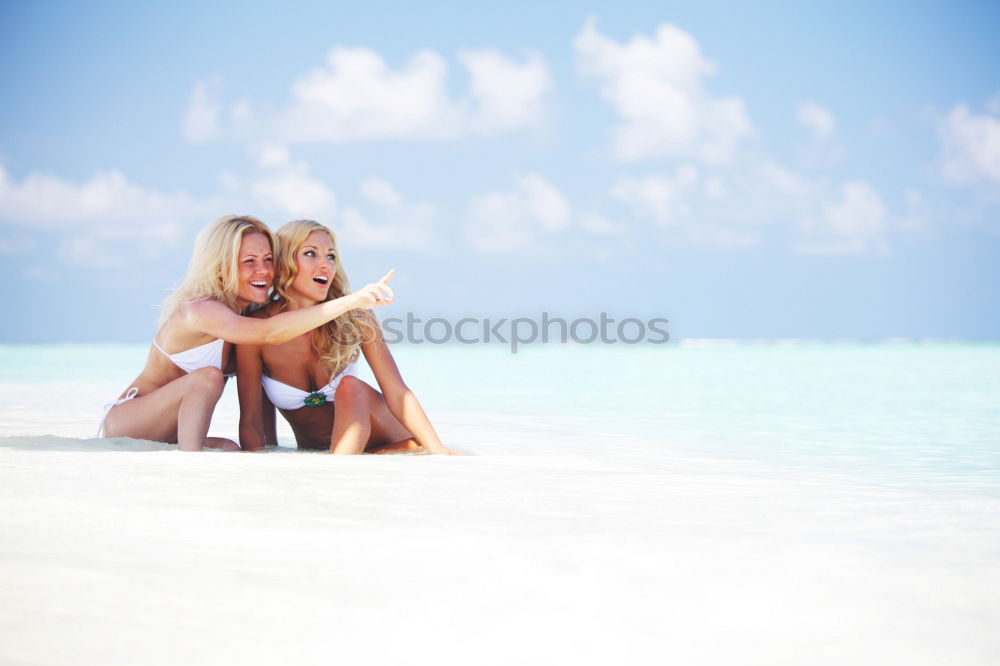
(376, 294)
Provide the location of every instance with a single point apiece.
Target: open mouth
(258, 284)
(321, 279)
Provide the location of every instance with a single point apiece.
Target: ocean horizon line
(682, 342)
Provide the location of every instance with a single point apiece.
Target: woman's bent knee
(208, 378)
(351, 390)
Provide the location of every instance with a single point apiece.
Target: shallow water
(921, 415)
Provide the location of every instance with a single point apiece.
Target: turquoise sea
(909, 414)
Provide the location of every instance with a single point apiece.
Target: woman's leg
(362, 421)
(177, 412)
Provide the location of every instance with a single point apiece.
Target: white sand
(544, 548)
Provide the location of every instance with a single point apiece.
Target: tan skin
(360, 420)
(176, 407)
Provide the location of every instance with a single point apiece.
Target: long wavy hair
(337, 342)
(214, 270)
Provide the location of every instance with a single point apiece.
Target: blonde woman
(312, 378)
(173, 398)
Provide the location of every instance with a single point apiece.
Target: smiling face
(256, 269)
(316, 264)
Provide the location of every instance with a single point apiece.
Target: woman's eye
(269, 260)
(331, 257)
(310, 253)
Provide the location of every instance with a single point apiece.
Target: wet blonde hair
(337, 342)
(214, 269)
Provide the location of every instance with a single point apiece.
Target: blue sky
(793, 171)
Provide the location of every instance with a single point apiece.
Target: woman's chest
(295, 363)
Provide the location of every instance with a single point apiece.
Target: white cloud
(104, 221)
(813, 117)
(270, 156)
(686, 207)
(288, 189)
(295, 194)
(518, 218)
(387, 219)
(657, 86)
(284, 188)
(103, 203)
(852, 223)
(357, 96)
(741, 208)
(508, 95)
(664, 199)
(972, 144)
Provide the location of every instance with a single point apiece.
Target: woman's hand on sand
(374, 295)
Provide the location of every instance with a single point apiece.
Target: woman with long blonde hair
(232, 267)
(312, 378)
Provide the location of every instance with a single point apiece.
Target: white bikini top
(284, 396)
(189, 360)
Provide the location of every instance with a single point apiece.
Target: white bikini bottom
(132, 393)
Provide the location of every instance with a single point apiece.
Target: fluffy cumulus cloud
(106, 203)
(522, 218)
(107, 223)
(686, 207)
(971, 143)
(384, 218)
(284, 188)
(658, 88)
(357, 96)
(662, 198)
(854, 221)
(94, 219)
(506, 94)
(287, 188)
(768, 204)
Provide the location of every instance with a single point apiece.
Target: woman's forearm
(407, 410)
(251, 437)
(284, 326)
(212, 317)
(290, 324)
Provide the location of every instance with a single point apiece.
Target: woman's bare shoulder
(197, 306)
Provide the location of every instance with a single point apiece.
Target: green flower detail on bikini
(314, 399)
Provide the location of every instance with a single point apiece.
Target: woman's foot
(408, 445)
(221, 443)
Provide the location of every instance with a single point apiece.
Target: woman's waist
(312, 426)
